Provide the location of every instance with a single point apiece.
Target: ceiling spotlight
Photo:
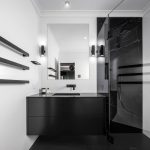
(67, 3)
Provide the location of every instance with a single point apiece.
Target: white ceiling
(134, 5)
(70, 37)
(52, 5)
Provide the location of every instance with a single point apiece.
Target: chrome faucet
(73, 86)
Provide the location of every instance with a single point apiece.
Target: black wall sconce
(42, 50)
(93, 50)
(101, 52)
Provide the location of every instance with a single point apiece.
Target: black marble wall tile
(125, 46)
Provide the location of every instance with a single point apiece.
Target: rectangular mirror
(68, 51)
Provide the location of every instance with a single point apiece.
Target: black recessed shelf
(130, 66)
(131, 82)
(11, 45)
(50, 68)
(134, 82)
(14, 64)
(130, 74)
(50, 75)
(9, 81)
(35, 63)
(134, 66)
(133, 74)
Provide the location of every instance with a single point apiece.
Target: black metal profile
(9, 81)
(50, 75)
(50, 68)
(11, 45)
(14, 64)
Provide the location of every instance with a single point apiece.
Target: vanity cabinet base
(65, 116)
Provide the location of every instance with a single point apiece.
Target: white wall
(82, 85)
(146, 87)
(19, 24)
(102, 84)
(53, 51)
(77, 17)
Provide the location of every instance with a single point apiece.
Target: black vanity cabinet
(65, 115)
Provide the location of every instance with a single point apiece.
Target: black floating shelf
(50, 75)
(133, 66)
(11, 45)
(35, 63)
(52, 69)
(9, 81)
(11, 63)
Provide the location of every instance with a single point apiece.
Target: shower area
(123, 71)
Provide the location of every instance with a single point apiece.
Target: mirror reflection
(68, 51)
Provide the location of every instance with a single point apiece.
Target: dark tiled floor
(128, 141)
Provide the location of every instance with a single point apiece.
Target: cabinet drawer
(65, 126)
(65, 115)
(47, 106)
(65, 106)
(44, 125)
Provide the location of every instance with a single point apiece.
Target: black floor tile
(130, 141)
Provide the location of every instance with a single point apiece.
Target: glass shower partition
(125, 74)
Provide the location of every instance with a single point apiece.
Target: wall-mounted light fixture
(42, 50)
(67, 3)
(93, 50)
(101, 51)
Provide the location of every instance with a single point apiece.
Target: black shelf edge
(35, 63)
(11, 63)
(133, 74)
(130, 74)
(131, 82)
(11, 45)
(134, 66)
(50, 68)
(134, 82)
(50, 75)
(9, 81)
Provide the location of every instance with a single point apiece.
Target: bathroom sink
(65, 94)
